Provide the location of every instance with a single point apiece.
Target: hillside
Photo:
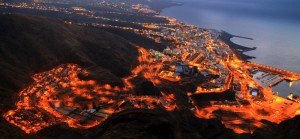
(31, 44)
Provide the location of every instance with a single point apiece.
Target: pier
(237, 49)
(226, 37)
(276, 82)
(271, 78)
(287, 75)
(262, 76)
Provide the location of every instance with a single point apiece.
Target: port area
(229, 91)
(252, 103)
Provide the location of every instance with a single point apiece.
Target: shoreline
(159, 5)
(238, 49)
(283, 87)
(225, 36)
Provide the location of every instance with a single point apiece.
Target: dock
(262, 76)
(276, 82)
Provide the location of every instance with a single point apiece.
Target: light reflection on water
(273, 24)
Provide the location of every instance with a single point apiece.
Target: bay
(273, 24)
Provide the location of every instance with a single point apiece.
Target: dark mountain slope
(288, 129)
(31, 44)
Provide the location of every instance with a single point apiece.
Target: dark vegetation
(203, 99)
(32, 44)
(159, 124)
(146, 88)
(227, 95)
(289, 129)
(137, 39)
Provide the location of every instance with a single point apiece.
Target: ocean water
(273, 24)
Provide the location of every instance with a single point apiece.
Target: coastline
(238, 49)
(225, 36)
(241, 51)
(159, 5)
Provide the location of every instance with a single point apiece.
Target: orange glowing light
(57, 93)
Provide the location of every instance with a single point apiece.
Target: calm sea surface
(273, 24)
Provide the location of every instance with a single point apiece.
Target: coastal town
(226, 85)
